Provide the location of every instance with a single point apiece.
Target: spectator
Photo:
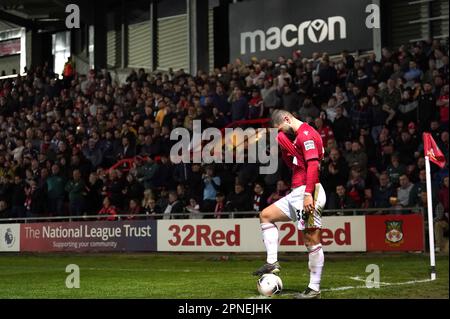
(413, 73)
(34, 201)
(239, 201)
(211, 184)
(357, 158)
(93, 153)
(341, 126)
(341, 200)
(163, 199)
(175, 208)
(368, 199)
(441, 223)
(220, 100)
(355, 186)
(259, 197)
(4, 211)
(427, 109)
(113, 188)
(134, 209)
(282, 190)
(193, 208)
(325, 131)
(408, 107)
(444, 195)
(391, 95)
(18, 197)
(395, 170)
(269, 95)
(406, 148)
(93, 194)
(220, 205)
(290, 100)
(55, 192)
(383, 192)
(149, 205)
(108, 211)
(284, 79)
(442, 103)
(126, 150)
(334, 171)
(239, 105)
(146, 172)
(360, 114)
(132, 188)
(77, 192)
(308, 110)
(255, 105)
(404, 191)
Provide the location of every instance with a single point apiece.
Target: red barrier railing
(126, 164)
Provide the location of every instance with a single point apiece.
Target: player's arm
(288, 150)
(311, 155)
(312, 175)
(287, 144)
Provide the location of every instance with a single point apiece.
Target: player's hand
(308, 203)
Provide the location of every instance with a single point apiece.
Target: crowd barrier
(351, 233)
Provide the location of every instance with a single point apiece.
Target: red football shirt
(307, 146)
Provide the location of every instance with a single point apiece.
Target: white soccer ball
(269, 285)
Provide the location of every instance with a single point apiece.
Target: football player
(304, 204)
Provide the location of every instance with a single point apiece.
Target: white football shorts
(292, 206)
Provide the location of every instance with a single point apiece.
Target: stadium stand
(60, 138)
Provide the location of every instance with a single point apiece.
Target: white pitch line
(357, 278)
(411, 282)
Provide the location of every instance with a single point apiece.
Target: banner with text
(283, 26)
(244, 235)
(89, 236)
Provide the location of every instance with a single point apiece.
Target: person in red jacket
(108, 211)
(302, 152)
(324, 130)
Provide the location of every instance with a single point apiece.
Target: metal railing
(211, 215)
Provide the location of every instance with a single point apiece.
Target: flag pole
(430, 219)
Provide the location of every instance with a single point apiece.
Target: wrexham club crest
(394, 232)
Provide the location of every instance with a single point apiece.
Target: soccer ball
(269, 285)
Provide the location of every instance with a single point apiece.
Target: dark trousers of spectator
(29, 213)
(56, 206)
(18, 211)
(76, 208)
(208, 206)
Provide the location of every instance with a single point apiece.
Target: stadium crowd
(59, 137)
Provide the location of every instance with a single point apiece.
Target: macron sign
(282, 26)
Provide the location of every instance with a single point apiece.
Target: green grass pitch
(210, 276)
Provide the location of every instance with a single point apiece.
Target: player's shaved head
(279, 117)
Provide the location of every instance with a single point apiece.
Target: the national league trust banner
(89, 236)
(273, 28)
